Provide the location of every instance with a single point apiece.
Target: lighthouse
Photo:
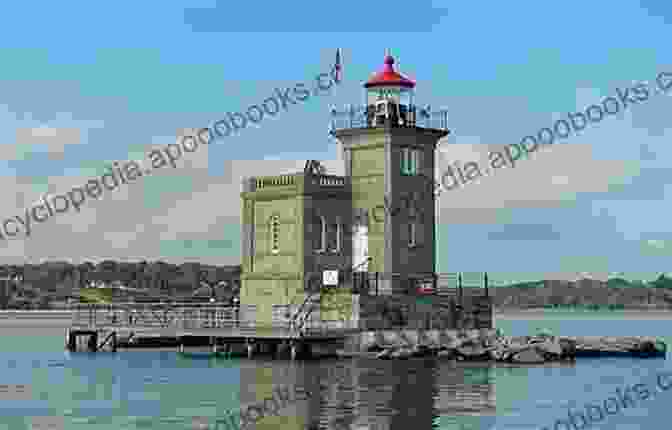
(389, 149)
(311, 235)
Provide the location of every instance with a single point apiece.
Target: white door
(360, 255)
(360, 242)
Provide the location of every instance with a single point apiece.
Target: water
(162, 390)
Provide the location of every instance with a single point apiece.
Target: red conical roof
(388, 76)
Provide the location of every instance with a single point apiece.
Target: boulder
(450, 339)
(425, 340)
(528, 356)
(385, 354)
(454, 344)
(374, 348)
(392, 338)
(472, 335)
(519, 340)
(447, 353)
(411, 337)
(472, 350)
(550, 347)
(423, 351)
(506, 351)
(368, 340)
(500, 352)
(447, 335)
(402, 353)
(488, 337)
(433, 337)
(568, 348)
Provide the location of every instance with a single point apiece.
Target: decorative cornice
(275, 194)
(262, 276)
(365, 146)
(278, 254)
(387, 130)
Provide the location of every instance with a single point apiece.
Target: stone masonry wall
(386, 312)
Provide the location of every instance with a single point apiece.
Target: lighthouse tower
(368, 232)
(389, 146)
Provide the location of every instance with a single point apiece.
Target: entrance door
(360, 255)
(360, 241)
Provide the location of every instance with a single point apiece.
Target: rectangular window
(334, 236)
(416, 157)
(411, 233)
(410, 161)
(405, 162)
(319, 233)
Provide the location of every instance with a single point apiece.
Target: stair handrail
(296, 322)
(354, 268)
(298, 311)
(304, 319)
(296, 318)
(366, 260)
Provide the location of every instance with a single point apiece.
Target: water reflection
(371, 394)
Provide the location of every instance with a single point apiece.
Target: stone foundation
(361, 342)
(432, 312)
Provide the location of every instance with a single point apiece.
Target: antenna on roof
(314, 167)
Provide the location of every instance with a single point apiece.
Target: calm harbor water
(41, 385)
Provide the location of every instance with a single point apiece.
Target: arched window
(411, 160)
(274, 239)
(319, 233)
(414, 221)
(412, 231)
(334, 235)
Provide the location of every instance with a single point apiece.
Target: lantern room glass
(399, 95)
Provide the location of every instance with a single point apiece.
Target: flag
(336, 74)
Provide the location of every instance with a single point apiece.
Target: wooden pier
(119, 324)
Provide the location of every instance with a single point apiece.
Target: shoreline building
(312, 238)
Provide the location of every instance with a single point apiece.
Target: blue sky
(84, 84)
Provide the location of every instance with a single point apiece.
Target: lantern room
(390, 97)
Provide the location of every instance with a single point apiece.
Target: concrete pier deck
(221, 325)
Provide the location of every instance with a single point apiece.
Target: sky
(84, 85)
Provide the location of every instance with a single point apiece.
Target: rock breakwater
(491, 345)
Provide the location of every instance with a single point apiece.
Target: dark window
(318, 233)
(334, 235)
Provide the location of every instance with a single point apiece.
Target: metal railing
(145, 315)
(380, 283)
(363, 116)
(298, 320)
(136, 316)
(275, 181)
(464, 284)
(332, 180)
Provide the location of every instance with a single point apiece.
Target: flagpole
(337, 66)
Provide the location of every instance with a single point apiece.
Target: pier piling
(70, 341)
(93, 342)
(273, 349)
(293, 350)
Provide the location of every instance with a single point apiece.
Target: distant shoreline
(620, 314)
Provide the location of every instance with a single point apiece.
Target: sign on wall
(330, 278)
